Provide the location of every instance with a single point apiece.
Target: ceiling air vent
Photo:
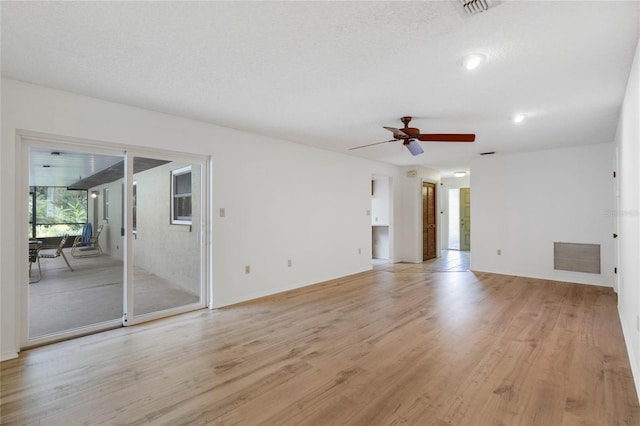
(475, 6)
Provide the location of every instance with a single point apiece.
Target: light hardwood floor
(397, 345)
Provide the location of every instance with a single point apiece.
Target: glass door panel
(167, 249)
(75, 250)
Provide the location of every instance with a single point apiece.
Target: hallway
(450, 261)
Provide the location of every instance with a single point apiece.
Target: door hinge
(124, 319)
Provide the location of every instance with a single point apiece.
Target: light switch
(222, 212)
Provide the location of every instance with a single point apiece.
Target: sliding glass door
(115, 238)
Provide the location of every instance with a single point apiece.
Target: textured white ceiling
(331, 74)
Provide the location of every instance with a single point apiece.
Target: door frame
(389, 210)
(24, 140)
(437, 217)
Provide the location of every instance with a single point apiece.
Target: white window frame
(174, 173)
(134, 207)
(105, 204)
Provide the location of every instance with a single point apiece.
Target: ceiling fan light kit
(414, 147)
(411, 135)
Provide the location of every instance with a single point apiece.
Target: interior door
(465, 219)
(428, 221)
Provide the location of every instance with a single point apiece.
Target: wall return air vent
(576, 257)
(475, 6)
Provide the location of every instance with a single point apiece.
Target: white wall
(283, 200)
(523, 203)
(380, 200)
(408, 211)
(111, 236)
(169, 251)
(628, 215)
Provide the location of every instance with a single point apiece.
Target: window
(105, 204)
(181, 196)
(55, 211)
(134, 206)
(134, 202)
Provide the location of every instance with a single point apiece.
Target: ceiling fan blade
(397, 133)
(413, 147)
(447, 137)
(372, 144)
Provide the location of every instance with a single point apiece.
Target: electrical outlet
(247, 269)
(359, 251)
(222, 212)
(368, 212)
(499, 252)
(289, 263)
(638, 323)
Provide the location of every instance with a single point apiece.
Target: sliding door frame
(130, 317)
(26, 139)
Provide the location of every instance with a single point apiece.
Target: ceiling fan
(410, 135)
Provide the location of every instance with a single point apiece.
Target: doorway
(459, 219)
(135, 246)
(380, 219)
(429, 232)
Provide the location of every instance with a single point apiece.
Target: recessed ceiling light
(459, 174)
(519, 118)
(472, 62)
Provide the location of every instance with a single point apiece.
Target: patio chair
(87, 245)
(34, 249)
(55, 254)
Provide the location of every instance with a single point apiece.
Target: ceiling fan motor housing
(412, 132)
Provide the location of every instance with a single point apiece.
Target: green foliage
(75, 212)
(59, 211)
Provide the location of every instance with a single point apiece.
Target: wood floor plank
(400, 344)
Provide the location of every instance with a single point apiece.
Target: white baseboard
(635, 370)
(567, 279)
(5, 356)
